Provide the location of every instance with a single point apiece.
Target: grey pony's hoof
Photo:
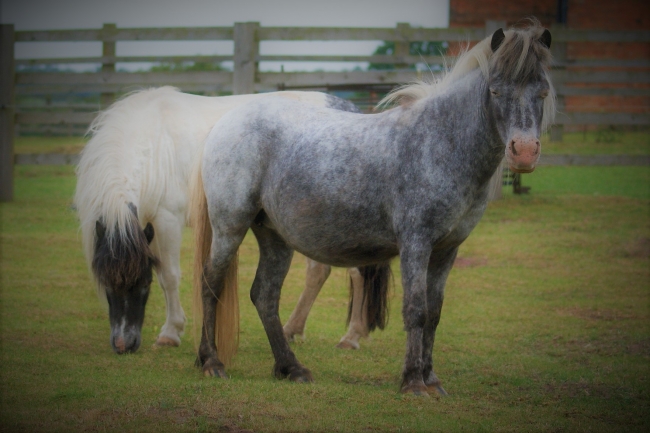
(434, 385)
(215, 372)
(438, 389)
(418, 389)
(294, 374)
(211, 368)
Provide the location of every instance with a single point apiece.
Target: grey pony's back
(341, 104)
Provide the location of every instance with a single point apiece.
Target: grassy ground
(600, 142)
(545, 327)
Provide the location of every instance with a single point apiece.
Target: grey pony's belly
(350, 257)
(347, 247)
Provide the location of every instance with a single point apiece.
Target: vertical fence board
(245, 59)
(402, 46)
(108, 50)
(7, 112)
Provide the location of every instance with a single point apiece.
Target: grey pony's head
(520, 92)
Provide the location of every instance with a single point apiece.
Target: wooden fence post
(245, 58)
(496, 183)
(558, 49)
(108, 50)
(402, 46)
(7, 112)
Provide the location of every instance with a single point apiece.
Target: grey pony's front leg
(439, 267)
(414, 261)
(275, 260)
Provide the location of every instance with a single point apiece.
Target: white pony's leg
(168, 234)
(317, 273)
(358, 321)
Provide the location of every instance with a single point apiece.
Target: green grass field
(546, 327)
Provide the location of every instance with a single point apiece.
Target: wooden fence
(18, 84)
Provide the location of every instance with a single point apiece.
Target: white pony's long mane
(518, 54)
(112, 163)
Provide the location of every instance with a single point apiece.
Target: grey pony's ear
(545, 39)
(100, 230)
(497, 39)
(148, 232)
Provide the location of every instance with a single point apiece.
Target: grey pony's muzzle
(523, 152)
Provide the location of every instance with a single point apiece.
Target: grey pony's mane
(517, 57)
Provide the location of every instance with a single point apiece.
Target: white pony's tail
(227, 317)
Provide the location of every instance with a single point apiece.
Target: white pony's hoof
(347, 344)
(164, 341)
(294, 337)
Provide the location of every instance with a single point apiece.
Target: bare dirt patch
(582, 389)
(612, 344)
(639, 248)
(597, 314)
(470, 262)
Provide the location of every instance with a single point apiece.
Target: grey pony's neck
(467, 130)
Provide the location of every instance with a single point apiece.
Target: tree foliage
(435, 48)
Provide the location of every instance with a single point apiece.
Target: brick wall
(474, 13)
(581, 14)
(609, 15)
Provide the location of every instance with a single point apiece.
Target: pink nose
(522, 153)
(120, 345)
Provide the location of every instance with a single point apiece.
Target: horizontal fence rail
(545, 160)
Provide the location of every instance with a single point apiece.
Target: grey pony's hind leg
(317, 273)
(215, 271)
(439, 267)
(275, 259)
(213, 284)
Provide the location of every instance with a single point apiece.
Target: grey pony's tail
(227, 314)
(376, 287)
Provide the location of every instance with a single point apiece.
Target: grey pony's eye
(543, 94)
(494, 92)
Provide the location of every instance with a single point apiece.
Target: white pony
(133, 173)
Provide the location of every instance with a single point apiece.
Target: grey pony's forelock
(519, 55)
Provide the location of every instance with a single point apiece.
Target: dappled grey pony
(416, 189)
